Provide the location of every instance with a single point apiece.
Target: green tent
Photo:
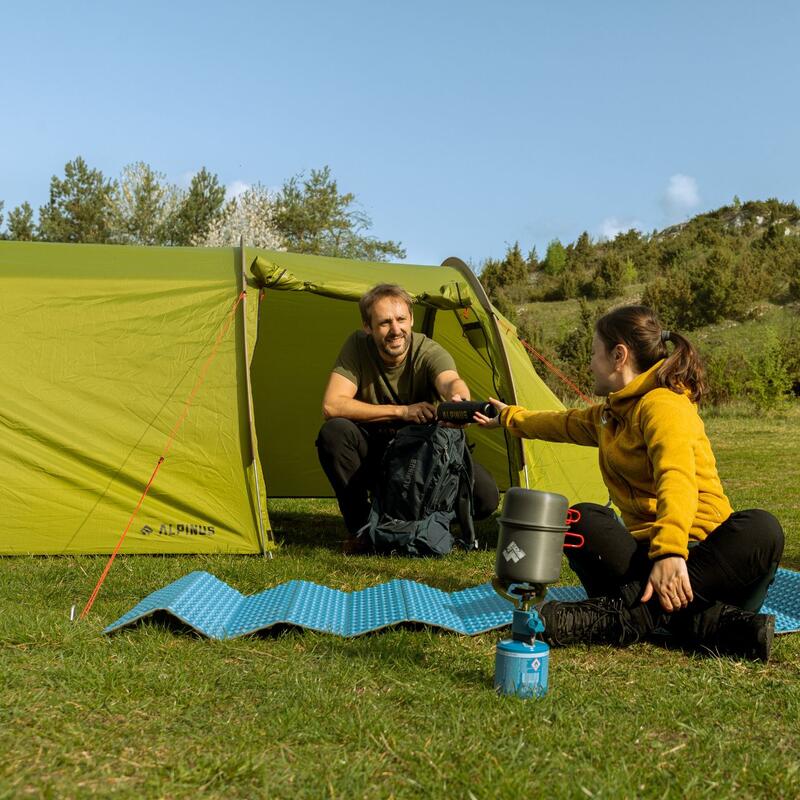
(115, 356)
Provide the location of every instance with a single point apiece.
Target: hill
(734, 269)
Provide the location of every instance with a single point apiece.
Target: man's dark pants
(350, 454)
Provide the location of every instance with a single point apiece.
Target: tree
(490, 277)
(533, 261)
(555, 261)
(582, 249)
(79, 206)
(142, 205)
(20, 223)
(198, 208)
(512, 271)
(612, 275)
(575, 348)
(515, 268)
(313, 217)
(249, 216)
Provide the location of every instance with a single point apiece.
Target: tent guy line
(170, 439)
(554, 369)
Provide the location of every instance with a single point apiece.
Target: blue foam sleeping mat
(214, 609)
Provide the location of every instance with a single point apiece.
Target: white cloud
(236, 189)
(610, 227)
(681, 196)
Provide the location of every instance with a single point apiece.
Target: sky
(461, 126)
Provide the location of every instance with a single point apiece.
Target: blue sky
(461, 126)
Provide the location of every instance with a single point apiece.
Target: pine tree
(199, 207)
(498, 276)
(515, 268)
(312, 216)
(79, 206)
(20, 223)
(532, 261)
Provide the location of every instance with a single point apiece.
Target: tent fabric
(308, 308)
(101, 347)
(103, 344)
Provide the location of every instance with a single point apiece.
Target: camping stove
(533, 526)
(521, 662)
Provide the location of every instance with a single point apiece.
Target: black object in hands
(462, 411)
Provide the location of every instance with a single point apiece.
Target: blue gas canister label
(521, 669)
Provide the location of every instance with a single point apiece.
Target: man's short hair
(378, 292)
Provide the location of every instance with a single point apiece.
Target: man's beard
(406, 340)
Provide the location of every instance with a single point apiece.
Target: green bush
(769, 384)
(727, 372)
(765, 377)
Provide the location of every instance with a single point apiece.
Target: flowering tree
(142, 204)
(249, 215)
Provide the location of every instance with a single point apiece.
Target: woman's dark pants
(734, 565)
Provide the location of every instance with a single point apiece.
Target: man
(385, 376)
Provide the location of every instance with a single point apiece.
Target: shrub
(727, 371)
(575, 348)
(769, 384)
(766, 377)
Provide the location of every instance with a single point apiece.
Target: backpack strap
(464, 506)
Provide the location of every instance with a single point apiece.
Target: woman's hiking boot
(619, 620)
(726, 630)
(721, 629)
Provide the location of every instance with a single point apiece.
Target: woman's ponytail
(683, 368)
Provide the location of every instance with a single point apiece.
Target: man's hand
(450, 386)
(419, 412)
(669, 579)
(490, 422)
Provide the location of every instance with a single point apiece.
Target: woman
(680, 558)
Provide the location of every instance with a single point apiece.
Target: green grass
(155, 712)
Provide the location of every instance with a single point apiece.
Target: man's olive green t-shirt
(413, 380)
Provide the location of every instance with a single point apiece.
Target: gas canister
(520, 669)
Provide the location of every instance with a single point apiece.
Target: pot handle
(577, 536)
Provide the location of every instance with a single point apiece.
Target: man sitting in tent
(385, 376)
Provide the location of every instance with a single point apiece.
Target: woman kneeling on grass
(681, 558)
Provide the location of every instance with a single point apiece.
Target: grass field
(153, 712)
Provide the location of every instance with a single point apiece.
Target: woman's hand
(490, 422)
(669, 579)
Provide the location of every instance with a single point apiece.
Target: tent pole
(250, 415)
(475, 285)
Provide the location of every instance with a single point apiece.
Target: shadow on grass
(162, 621)
(308, 529)
(304, 529)
(372, 645)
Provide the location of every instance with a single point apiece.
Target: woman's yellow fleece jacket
(655, 459)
